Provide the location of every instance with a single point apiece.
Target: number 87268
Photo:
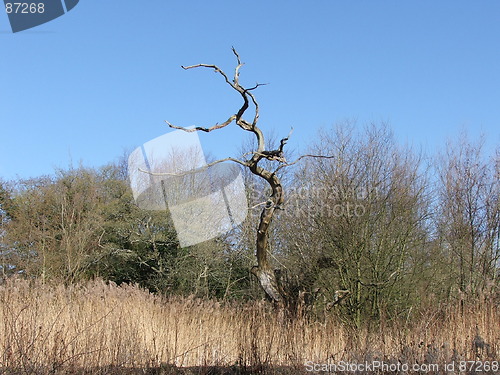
(24, 8)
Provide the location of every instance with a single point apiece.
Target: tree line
(377, 230)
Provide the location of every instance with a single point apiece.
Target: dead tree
(263, 270)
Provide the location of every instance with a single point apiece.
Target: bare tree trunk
(263, 270)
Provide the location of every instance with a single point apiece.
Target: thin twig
(237, 69)
(302, 157)
(244, 163)
(199, 128)
(211, 66)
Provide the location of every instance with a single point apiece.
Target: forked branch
(263, 270)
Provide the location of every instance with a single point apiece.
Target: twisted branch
(263, 270)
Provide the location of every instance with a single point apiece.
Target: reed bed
(99, 327)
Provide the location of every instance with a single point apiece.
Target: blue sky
(103, 78)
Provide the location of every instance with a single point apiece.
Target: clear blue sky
(103, 77)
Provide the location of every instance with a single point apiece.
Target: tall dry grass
(63, 329)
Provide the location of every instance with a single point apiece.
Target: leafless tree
(357, 226)
(254, 162)
(469, 214)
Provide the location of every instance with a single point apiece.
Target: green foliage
(364, 221)
(368, 234)
(83, 223)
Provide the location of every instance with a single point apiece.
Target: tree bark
(263, 270)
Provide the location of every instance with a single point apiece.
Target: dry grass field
(99, 328)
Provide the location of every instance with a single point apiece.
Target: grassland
(99, 328)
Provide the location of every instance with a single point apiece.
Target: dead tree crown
(263, 270)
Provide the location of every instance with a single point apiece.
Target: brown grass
(99, 328)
